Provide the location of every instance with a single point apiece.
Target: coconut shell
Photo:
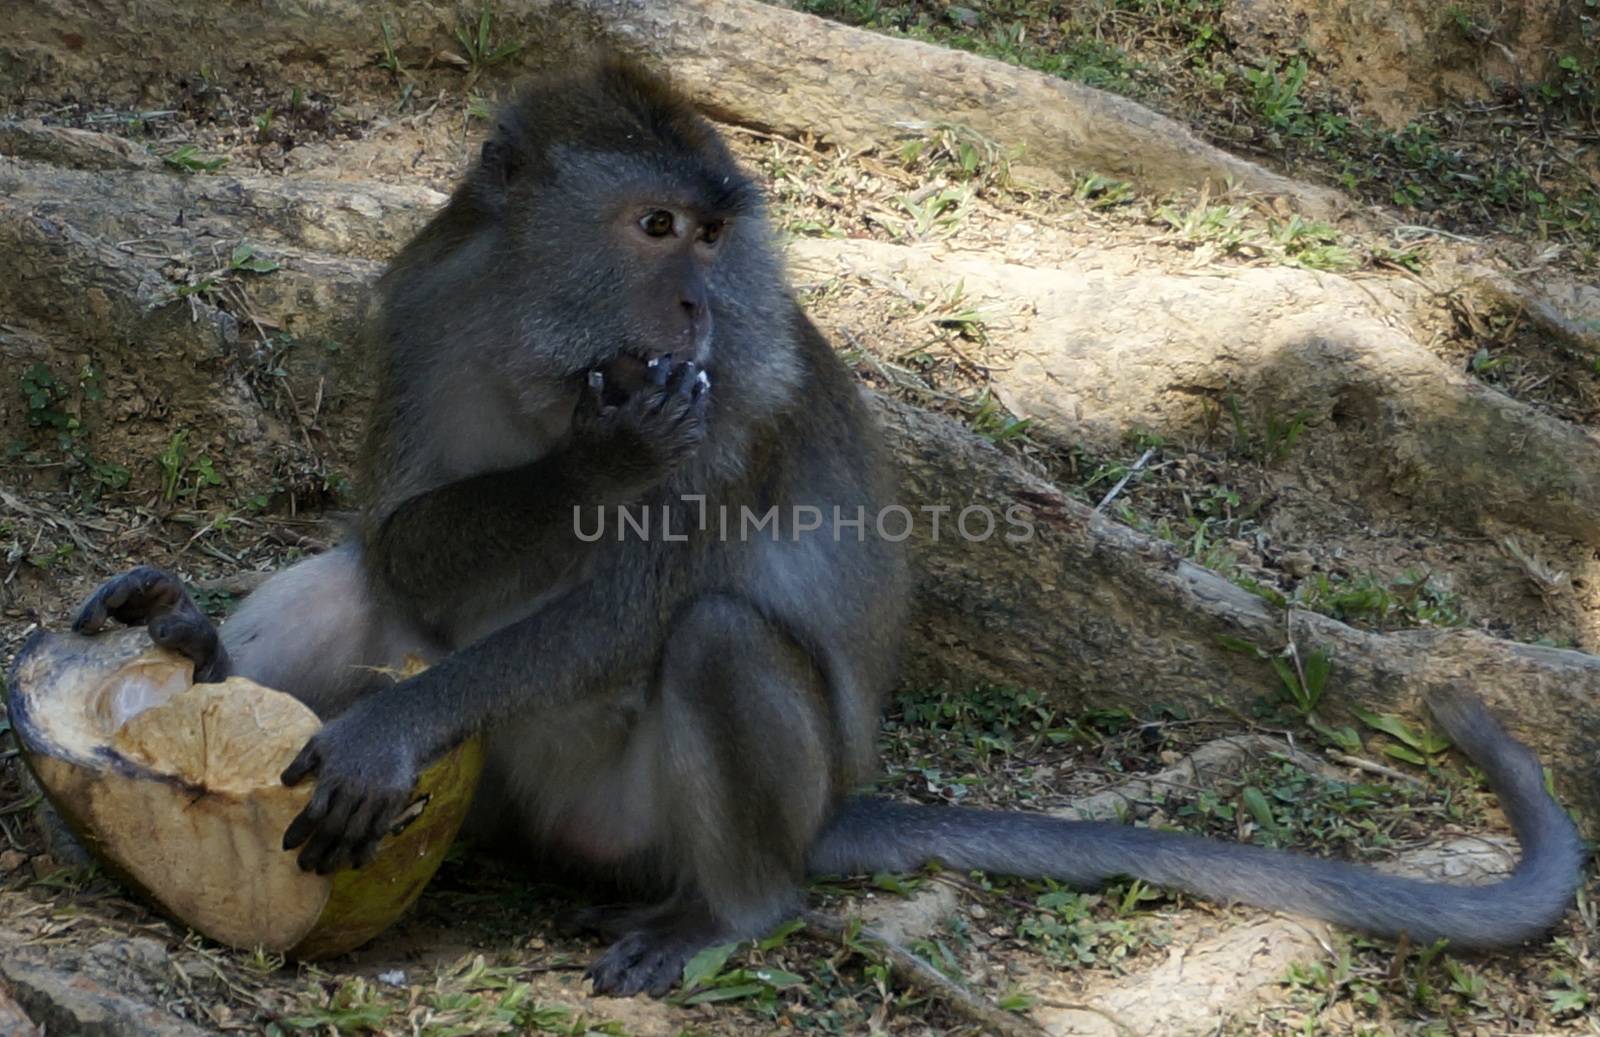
(174, 786)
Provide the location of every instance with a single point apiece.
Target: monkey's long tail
(875, 835)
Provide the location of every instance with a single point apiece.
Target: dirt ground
(1255, 496)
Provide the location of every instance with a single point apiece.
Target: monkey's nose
(697, 321)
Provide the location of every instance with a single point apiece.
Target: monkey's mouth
(629, 371)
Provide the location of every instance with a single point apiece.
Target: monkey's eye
(657, 223)
(711, 232)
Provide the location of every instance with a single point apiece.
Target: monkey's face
(620, 230)
(625, 258)
(666, 256)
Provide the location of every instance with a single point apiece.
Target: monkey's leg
(742, 771)
(314, 631)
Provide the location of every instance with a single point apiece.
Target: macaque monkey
(598, 318)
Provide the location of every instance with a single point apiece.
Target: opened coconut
(175, 786)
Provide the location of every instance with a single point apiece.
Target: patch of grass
(1281, 805)
(1419, 746)
(1460, 167)
(1259, 433)
(958, 153)
(189, 159)
(469, 997)
(1411, 599)
(972, 726)
(55, 404)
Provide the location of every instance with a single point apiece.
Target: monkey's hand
(365, 774)
(156, 599)
(640, 433)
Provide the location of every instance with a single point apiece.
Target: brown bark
(1100, 614)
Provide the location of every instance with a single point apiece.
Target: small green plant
(1277, 99)
(935, 214)
(1222, 226)
(1265, 436)
(1423, 748)
(389, 59)
(993, 422)
(1483, 363)
(45, 394)
(707, 978)
(478, 46)
(180, 473)
(959, 153)
(1064, 925)
(354, 1006)
(49, 399)
(1102, 192)
(1313, 245)
(263, 123)
(188, 158)
(1568, 994)
(243, 259)
(1302, 679)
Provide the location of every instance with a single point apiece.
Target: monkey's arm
(366, 759)
(434, 550)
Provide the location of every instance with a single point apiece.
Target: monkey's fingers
(131, 598)
(91, 616)
(109, 597)
(190, 634)
(683, 378)
(325, 832)
(301, 768)
(370, 823)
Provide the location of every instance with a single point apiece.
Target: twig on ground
(909, 968)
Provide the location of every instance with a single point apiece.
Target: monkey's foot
(651, 959)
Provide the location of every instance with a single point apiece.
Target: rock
(13, 1020)
(108, 990)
